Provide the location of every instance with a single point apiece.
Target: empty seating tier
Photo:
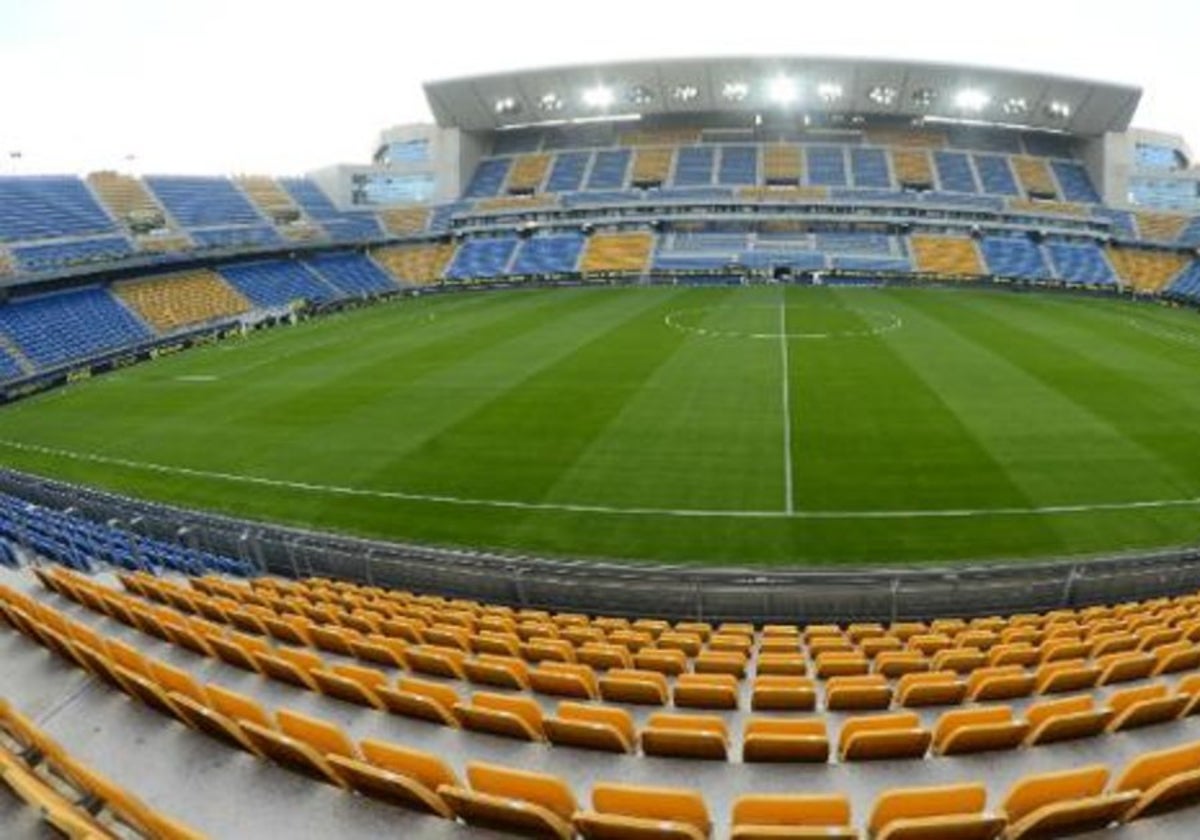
(351, 274)
(182, 300)
(1160, 227)
(528, 172)
(125, 197)
(404, 221)
(1146, 271)
(197, 202)
(274, 283)
(652, 166)
(913, 168)
(1035, 176)
(783, 164)
(416, 263)
(946, 255)
(48, 207)
(626, 252)
(57, 328)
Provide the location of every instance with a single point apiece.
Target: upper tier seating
(548, 254)
(266, 194)
(954, 172)
(203, 202)
(608, 170)
(782, 164)
(1190, 235)
(652, 166)
(49, 256)
(125, 196)
(1080, 263)
(1146, 271)
(869, 169)
(182, 300)
(351, 274)
(277, 283)
(482, 258)
(1187, 284)
(1034, 176)
(1075, 183)
(995, 175)
(58, 328)
(946, 255)
(342, 227)
(567, 173)
(528, 172)
(826, 166)
(617, 252)
(247, 236)
(739, 166)
(488, 178)
(1160, 227)
(404, 221)
(1121, 220)
(913, 168)
(49, 206)
(1014, 256)
(416, 263)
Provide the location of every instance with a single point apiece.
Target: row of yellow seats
(533, 803)
(72, 798)
(612, 729)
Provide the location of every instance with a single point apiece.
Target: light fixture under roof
(1058, 110)
(641, 95)
(598, 96)
(924, 97)
(782, 90)
(550, 102)
(829, 91)
(884, 95)
(1015, 106)
(973, 100)
(735, 91)
(684, 92)
(507, 105)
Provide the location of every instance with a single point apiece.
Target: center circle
(757, 326)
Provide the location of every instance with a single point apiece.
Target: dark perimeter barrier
(785, 595)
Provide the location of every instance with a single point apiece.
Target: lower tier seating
(57, 328)
(618, 252)
(416, 264)
(946, 255)
(182, 300)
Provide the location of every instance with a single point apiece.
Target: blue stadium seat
(488, 178)
(1080, 263)
(854, 243)
(69, 326)
(482, 258)
(9, 369)
(439, 222)
(247, 236)
(277, 283)
(609, 170)
(869, 169)
(1075, 183)
(548, 254)
(1187, 284)
(995, 175)
(203, 201)
(1014, 256)
(694, 166)
(954, 172)
(47, 207)
(1122, 221)
(566, 174)
(341, 227)
(1190, 235)
(826, 166)
(739, 166)
(57, 255)
(352, 274)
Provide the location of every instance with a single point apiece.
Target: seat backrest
(305, 660)
(439, 693)
(237, 706)
(361, 674)
(783, 810)
(1038, 713)
(926, 678)
(910, 803)
(876, 723)
(1033, 792)
(526, 708)
(324, 737)
(727, 681)
(1119, 701)
(674, 804)
(539, 788)
(689, 723)
(856, 681)
(613, 716)
(809, 727)
(1145, 771)
(424, 767)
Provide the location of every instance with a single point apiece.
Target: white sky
(264, 86)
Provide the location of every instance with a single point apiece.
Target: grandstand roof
(802, 84)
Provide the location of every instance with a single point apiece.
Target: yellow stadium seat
(936, 688)
(720, 662)
(859, 693)
(685, 736)
(706, 691)
(896, 663)
(999, 682)
(782, 693)
(284, 664)
(291, 753)
(769, 817)
(951, 811)
(1144, 706)
(623, 685)
(205, 719)
(502, 714)
(785, 739)
(1164, 780)
(779, 663)
(1061, 720)
(1065, 802)
(400, 775)
(1066, 675)
(980, 729)
(623, 812)
(513, 800)
(421, 699)
(564, 679)
(897, 735)
(605, 728)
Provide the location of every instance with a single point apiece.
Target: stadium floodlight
(598, 97)
(550, 102)
(924, 97)
(1015, 106)
(829, 91)
(1058, 110)
(971, 99)
(684, 93)
(641, 95)
(507, 105)
(735, 91)
(782, 90)
(884, 95)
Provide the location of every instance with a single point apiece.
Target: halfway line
(789, 505)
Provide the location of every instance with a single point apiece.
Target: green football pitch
(758, 425)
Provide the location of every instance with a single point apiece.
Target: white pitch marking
(893, 322)
(785, 387)
(198, 377)
(685, 513)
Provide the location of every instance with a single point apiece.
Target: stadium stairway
(91, 718)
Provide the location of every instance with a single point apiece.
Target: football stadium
(776, 447)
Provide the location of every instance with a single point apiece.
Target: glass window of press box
(1165, 194)
(393, 189)
(407, 151)
(1151, 156)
